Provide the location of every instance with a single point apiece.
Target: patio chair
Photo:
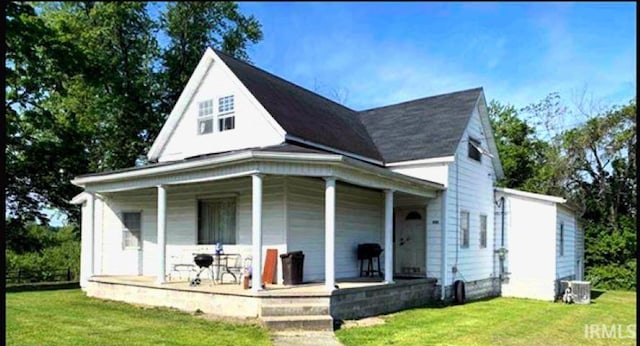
(182, 263)
(233, 267)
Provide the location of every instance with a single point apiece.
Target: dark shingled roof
(305, 114)
(421, 129)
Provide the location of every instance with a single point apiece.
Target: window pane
(205, 126)
(205, 108)
(464, 228)
(483, 231)
(227, 123)
(474, 152)
(225, 104)
(217, 221)
(132, 223)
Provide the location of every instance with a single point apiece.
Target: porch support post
(162, 233)
(388, 236)
(329, 232)
(443, 243)
(88, 243)
(256, 232)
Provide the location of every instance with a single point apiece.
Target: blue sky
(373, 54)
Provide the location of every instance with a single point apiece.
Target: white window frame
(483, 231)
(202, 117)
(222, 115)
(464, 232)
(125, 230)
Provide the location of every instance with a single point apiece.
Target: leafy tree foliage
(88, 88)
(521, 152)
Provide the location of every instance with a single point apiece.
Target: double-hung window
(226, 113)
(483, 231)
(217, 221)
(205, 117)
(132, 226)
(561, 238)
(464, 229)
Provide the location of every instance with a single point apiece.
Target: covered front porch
(356, 298)
(322, 204)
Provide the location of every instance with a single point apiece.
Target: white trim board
(443, 159)
(532, 195)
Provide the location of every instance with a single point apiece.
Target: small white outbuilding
(530, 227)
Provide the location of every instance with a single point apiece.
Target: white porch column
(443, 243)
(256, 232)
(388, 236)
(329, 233)
(162, 233)
(87, 241)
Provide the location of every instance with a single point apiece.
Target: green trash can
(292, 265)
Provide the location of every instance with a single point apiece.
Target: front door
(410, 242)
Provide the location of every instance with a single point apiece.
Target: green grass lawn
(68, 317)
(505, 321)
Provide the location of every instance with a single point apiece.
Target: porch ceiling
(248, 162)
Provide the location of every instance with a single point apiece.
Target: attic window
(226, 116)
(205, 117)
(475, 152)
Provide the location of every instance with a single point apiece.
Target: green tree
(522, 154)
(88, 88)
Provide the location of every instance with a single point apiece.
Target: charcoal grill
(367, 252)
(204, 262)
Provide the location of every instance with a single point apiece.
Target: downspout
(501, 251)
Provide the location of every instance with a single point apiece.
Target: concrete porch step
(295, 309)
(296, 301)
(311, 322)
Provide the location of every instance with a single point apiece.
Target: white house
(256, 162)
(532, 222)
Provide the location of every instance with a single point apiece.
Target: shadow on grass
(337, 323)
(597, 293)
(43, 286)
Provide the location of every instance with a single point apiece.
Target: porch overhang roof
(248, 162)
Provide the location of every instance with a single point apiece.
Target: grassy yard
(67, 317)
(501, 321)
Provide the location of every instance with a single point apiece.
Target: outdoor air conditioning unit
(578, 292)
(581, 291)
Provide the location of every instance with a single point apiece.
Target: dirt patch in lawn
(365, 322)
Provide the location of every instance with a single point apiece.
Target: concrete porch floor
(311, 289)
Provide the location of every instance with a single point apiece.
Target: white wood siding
(436, 172)
(470, 188)
(530, 229)
(579, 251)
(252, 129)
(182, 223)
(566, 264)
(359, 219)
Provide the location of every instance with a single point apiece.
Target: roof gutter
(330, 159)
(531, 195)
(184, 166)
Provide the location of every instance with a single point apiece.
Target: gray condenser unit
(578, 292)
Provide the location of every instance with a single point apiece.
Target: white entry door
(410, 242)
